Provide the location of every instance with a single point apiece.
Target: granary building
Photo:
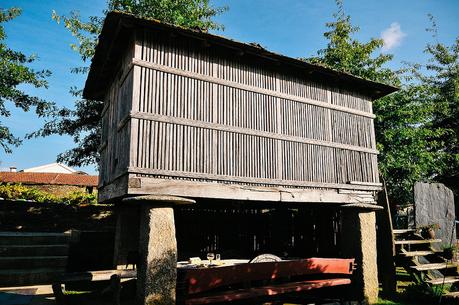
(229, 148)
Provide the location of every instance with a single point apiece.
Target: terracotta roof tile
(48, 178)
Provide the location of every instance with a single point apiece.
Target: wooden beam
(207, 176)
(197, 189)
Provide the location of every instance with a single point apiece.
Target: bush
(20, 192)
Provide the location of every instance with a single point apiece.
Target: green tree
(83, 122)
(13, 73)
(442, 80)
(346, 54)
(409, 146)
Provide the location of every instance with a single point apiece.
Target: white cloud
(392, 36)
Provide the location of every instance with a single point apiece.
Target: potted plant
(428, 231)
(449, 251)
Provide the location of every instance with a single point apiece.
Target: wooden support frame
(199, 189)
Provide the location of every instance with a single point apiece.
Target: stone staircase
(420, 258)
(32, 258)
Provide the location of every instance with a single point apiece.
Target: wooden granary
(199, 116)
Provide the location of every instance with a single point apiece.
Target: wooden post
(386, 247)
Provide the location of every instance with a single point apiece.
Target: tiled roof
(48, 178)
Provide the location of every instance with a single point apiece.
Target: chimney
(13, 169)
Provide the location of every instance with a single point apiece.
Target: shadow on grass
(418, 294)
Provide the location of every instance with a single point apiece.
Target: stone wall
(51, 217)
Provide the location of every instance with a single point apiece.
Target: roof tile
(48, 178)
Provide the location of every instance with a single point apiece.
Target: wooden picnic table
(231, 280)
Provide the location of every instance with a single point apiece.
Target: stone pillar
(359, 242)
(157, 270)
(157, 261)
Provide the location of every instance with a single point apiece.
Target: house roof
(48, 179)
(118, 28)
(51, 168)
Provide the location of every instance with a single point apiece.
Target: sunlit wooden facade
(193, 114)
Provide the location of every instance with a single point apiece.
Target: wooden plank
(253, 132)
(270, 290)
(446, 280)
(232, 84)
(417, 242)
(194, 175)
(454, 294)
(235, 192)
(417, 253)
(435, 266)
(403, 231)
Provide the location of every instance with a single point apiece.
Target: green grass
(412, 293)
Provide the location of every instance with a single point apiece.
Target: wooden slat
(436, 266)
(446, 280)
(404, 231)
(258, 133)
(215, 80)
(453, 294)
(417, 242)
(417, 253)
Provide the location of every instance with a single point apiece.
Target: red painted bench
(223, 284)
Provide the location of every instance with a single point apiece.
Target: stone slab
(434, 203)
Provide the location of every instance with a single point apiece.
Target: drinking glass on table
(217, 257)
(210, 257)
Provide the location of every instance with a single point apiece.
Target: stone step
(31, 262)
(23, 238)
(33, 250)
(436, 266)
(13, 277)
(446, 280)
(417, 241)
(417, 253)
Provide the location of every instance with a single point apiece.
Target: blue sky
(291, 27)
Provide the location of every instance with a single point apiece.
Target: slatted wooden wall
(203, 112)
(237, 233)
(115, 126)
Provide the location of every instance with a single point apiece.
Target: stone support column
(157, 270)
(359, 242)
(157, 264)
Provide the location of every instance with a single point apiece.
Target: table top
(215, 264)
